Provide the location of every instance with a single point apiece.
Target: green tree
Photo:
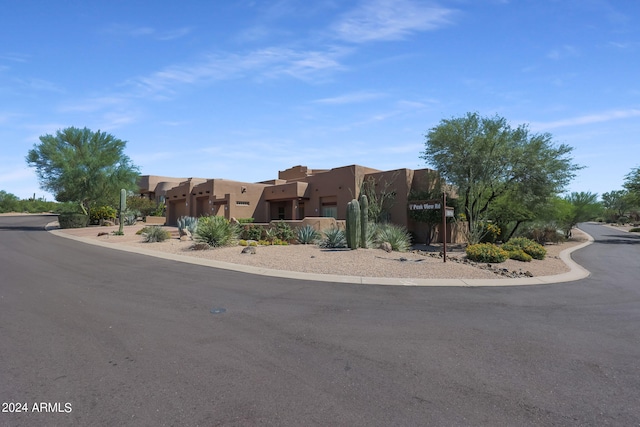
(9, 202)
(78, 165)
(617, 203)
(486, 159)
(381, 197)
(576, 208)
(632, 184)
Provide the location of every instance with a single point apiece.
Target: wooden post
(444, 227)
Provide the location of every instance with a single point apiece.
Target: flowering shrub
(519, 255)
(486, 252)
(490, 232)
(533, 249)
(103, 212)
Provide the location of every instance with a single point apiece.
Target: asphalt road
(107, 338)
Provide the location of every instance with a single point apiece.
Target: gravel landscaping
(423, 263)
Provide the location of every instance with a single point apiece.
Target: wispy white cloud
(93, 104)
(121, 30)
(272, 62)
(563, 52)
(350, 98)
(624, 46)
(378, 20)
(14, 57)
(606, 116)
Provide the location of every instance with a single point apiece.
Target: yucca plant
(307, 235)
(215, 231)
(155, 234)
(333, 238)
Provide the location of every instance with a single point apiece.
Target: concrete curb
(576, 272)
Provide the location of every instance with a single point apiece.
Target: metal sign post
(418, 205)
(444, 227)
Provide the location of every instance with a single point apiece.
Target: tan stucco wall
(303, 196)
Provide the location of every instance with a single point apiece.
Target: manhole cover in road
(218, 310)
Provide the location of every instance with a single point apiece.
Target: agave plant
(334, 238)
(307, 235)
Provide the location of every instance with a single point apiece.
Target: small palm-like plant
(307, 235)
(155, 234)
(334, 238)
(215, 231)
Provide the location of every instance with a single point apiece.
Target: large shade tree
(488, 160)
(575, 208)
(632, 184)
(78, 165)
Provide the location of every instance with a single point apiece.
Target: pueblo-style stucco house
(297, 193)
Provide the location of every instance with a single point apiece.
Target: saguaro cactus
(364, 220)
(353, 224)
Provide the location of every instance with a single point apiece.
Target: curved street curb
(576, 272)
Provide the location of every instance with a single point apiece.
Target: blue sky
(242, 89)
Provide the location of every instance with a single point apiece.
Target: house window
(330, 211)
(280, 212)
(241, 203)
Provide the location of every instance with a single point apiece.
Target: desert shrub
(243, 242)
(159, 210)
(270, 234)
(635, 230)
(142, 205)
(143, 230)
(519, 255)
(253, 243)
(279, 242)
(307, 235)
(490, 232)
(623, 220)
(215, 231)
(395, 235)
(251, 232)
(333, 238)
(154, 234)
(245, 220)
(545, 234)
(530, 247)
(486, 252)
(73, 220)
(284, 231)
(102, 213)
